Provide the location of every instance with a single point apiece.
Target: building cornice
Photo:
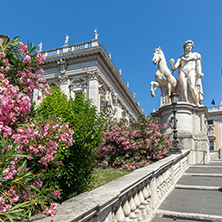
(99, 54)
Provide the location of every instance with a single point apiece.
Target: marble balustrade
(71, 48)
(132, 198)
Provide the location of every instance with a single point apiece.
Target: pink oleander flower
(27, 59)
(57, 193)
(2, 54)
(2, 200)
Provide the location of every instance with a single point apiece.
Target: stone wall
(134, 197)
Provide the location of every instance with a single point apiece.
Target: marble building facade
(87, 68)
(214, 127)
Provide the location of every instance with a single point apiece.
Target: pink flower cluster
(133, 145)
(51, 211)
(11, 196)
(39, 139)
(41, 58)
(42, 139)
(14, 106)
(31, 81)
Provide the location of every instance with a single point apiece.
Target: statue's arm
(173, 65)
(199, 68)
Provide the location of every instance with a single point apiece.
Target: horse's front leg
(156, 84)
(169, 88)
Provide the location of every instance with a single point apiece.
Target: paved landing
(195, 200)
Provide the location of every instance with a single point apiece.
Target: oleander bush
(134, 144)
(29, 145)
(77, 171)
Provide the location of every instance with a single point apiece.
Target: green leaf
(22, 168)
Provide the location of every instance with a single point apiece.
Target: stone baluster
(126, 206)
(145, 191)
(161, 181)
(181, 167)
(132, 204)
(113, 217)
(172, 175)
(146, 195)
(142, 201)
(138, 203)
(168, 179)
(164, 183)
(153, 192)
(119, 215)
(177, 171)
(146, 202)
(158, 188)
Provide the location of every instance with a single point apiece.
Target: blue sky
(130, 30)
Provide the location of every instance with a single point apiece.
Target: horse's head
(157, 55)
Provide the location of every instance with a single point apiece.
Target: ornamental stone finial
(120, 71)
(95, 34)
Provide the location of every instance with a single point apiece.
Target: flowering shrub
(22, 192)
(77, 172)
(29, 147)
(41, 138)
(133, 145)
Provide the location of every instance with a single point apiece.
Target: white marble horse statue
(163, 76)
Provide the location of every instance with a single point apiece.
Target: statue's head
(188, 42)
(157, 55)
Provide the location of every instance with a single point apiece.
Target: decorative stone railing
(71, 48)
(134, 197)
(215, 108)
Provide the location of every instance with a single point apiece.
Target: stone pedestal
(191, 126)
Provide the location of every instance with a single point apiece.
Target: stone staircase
(197, 196)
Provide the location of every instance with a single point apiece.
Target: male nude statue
(189, 73)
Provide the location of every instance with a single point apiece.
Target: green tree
(76, 173)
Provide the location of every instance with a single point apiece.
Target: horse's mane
(158, 50)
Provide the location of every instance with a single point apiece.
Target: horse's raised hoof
(152, 94)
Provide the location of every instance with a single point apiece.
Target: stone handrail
(131, 198)
(71, 48)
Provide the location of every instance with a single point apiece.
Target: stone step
(203, 174)
(200, 181)
(206, 166)
(188, 216)
(193, 187)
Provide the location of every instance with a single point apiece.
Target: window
(210, 122)
(211, 145)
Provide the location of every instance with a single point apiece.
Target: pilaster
(93, 85)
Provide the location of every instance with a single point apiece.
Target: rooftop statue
(164, 79)
(67, 39)
(40, 47)
(95, 34)
(189, 74)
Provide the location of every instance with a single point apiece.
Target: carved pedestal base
(191, 126)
